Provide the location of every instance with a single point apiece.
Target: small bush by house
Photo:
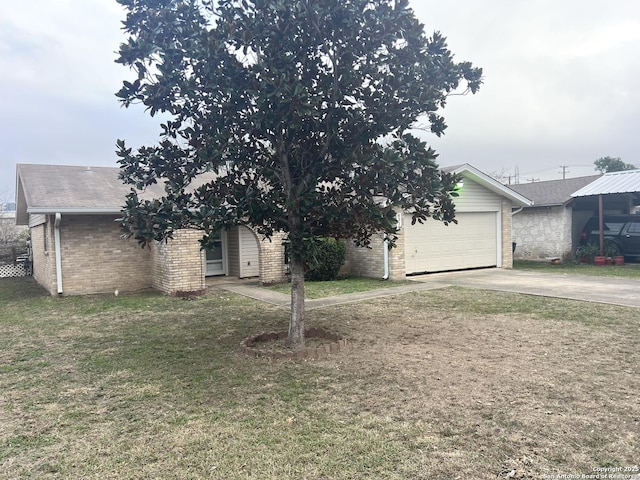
(329, 256)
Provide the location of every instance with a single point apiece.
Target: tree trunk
(296, 323)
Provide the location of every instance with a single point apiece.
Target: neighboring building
(549, 228)
(78, 246)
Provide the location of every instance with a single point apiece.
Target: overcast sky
(560, 87)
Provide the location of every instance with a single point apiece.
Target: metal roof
(627, 181)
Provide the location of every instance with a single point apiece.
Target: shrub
(612, 247)
(328, 257)
(587, 252)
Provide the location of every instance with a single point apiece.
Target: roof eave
(74, 211)
(492, 184)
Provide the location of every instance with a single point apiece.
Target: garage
(481, 238)
(471, 243)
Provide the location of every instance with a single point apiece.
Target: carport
(612, 193)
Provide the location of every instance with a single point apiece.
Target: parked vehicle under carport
(623, 229)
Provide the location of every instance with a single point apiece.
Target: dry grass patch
(451, 383)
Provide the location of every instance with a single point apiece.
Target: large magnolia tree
(301, 109)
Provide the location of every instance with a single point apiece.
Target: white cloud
(560, 83)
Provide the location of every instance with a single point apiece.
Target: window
(634, 227)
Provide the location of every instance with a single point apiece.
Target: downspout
(385, 246)
(515, 212)
(56, 239)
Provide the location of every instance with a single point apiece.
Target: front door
(215, 257)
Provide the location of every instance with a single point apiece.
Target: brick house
(78, 247)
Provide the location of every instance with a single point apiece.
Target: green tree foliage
(612, 164)
(285, 105)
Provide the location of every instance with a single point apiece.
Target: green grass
(440, 384)
(630, 270)
(339, 287)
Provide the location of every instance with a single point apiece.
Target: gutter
(56, 239)
(75, 211)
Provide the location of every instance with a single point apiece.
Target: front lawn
(628, 270)
(339, 287)
(444, 384)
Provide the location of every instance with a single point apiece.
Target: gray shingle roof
(552, 192)
(76, 189)
(71, 187)
(627, 181)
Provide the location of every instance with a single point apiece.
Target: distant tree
(612, 164)
(502, 174)
(287, 101)
(13, 238)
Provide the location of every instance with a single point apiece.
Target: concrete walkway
(615, 291)
(281, 299)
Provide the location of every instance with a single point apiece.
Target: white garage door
(434, 247)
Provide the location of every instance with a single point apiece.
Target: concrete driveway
(616, 291)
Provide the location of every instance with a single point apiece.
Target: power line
(564, 171)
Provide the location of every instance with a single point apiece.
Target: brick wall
(397, 267)
(96, 259)
(43, 257)
(272, 267)
(369, 262)
(178, 264)
(366, 262)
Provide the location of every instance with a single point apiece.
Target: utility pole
(564, 171)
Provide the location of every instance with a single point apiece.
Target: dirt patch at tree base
(319, 343)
